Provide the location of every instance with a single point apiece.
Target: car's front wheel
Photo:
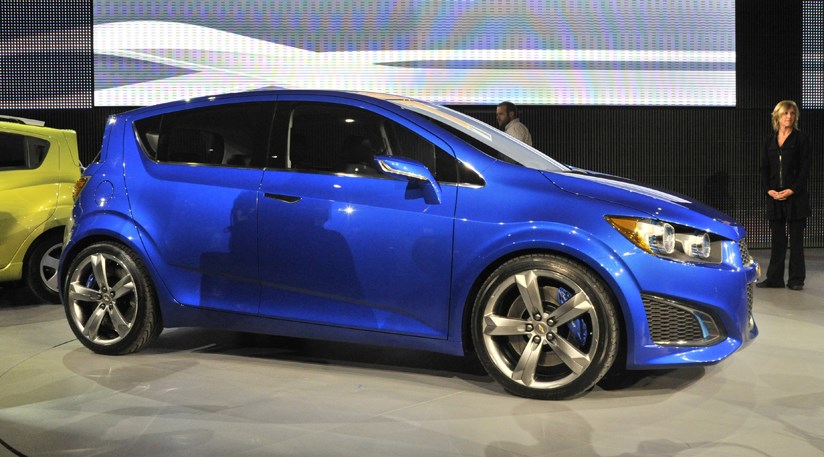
(545, 327)
(110, 300)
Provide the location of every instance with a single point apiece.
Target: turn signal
(78, 186)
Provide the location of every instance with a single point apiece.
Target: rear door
(195, 198)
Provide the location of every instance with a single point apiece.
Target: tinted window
(228, 135)
(21, 152)
(344, 139)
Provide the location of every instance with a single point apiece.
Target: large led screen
(812, 55)
(570, 52)
(45, 54)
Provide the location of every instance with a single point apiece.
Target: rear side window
(233, 135)
(21, 152)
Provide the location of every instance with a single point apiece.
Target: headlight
(697, 245)
(667, 240)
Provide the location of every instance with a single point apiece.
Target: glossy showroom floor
(202, 393)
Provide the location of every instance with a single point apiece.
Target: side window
(21, 152)
(233, 135)
(344, 139)
(333, 138)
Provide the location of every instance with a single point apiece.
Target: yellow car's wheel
(41, 267)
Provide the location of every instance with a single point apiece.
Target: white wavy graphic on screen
(225, 62)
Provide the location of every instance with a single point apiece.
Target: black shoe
(795, 286)
(769, 285)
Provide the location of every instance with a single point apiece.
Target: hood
(659, 204)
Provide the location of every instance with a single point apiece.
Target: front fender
(476, 257)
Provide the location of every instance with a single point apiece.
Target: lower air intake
(678, 324)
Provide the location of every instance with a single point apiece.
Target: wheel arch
(46, 233)
(129, 238)
(605, 267)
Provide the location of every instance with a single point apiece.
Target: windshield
(498, 144)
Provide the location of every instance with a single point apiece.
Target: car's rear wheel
(41, 267)
(545, 327)
(110, 300)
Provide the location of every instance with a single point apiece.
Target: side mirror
(412, 171)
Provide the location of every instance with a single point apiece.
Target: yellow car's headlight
(667, 240)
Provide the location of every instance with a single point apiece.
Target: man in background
(507, 114)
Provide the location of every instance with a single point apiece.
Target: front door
(343, 244)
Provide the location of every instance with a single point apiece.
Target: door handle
(283, 198)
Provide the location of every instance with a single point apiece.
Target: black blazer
(787, 167)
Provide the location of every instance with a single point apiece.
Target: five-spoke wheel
(545, 327)
(110, 301)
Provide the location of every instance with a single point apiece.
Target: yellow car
(38, 170)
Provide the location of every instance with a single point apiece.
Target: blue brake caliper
(90, 282)
(578, 329)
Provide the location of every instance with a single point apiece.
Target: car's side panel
(69, 174)
(35, 200)
(364, 252)
(202, 221)
(175, 315)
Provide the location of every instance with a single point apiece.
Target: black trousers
(797, 270)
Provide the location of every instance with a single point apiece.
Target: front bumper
(692, 314)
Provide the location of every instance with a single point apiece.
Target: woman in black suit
(785, 166)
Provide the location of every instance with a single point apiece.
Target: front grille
(677, 324)
(746, 258)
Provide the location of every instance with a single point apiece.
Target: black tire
(545, 327)
(41, 267)
(117, 314)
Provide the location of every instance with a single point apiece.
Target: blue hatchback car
(383, 220)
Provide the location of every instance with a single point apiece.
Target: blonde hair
(782, 107)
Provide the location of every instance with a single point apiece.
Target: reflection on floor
(200, 392)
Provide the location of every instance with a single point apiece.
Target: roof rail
(21, 120)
